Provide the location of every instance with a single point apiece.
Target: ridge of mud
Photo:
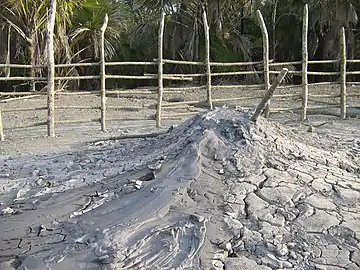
(217, 192)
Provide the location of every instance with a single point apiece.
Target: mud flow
(217, 192)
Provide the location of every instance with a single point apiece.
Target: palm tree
(27, 19)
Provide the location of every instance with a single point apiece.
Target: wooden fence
(160, 77)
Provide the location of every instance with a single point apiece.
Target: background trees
(132, 31)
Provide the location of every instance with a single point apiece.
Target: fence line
(51, 70)
(160, 76)
(160, 69)
(103, 74)
(207, 61)
(265, 58)
(342, 74)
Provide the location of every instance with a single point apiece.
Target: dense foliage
(132, 31)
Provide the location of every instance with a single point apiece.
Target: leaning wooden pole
(160, 69)
(305, 63)
(1, 128)
(103, 74)
(266, 60)
(343, 93)
(51, 69)
(207, 60)
(269, 94)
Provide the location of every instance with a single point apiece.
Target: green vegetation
(132, 33)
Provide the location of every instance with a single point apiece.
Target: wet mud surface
(216, 192)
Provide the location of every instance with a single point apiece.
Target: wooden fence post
(305, 63)
(160, 69)
(103, 74)
(51, 69)
(207, 60)
(7, 69)
(1, 128)
(265, 36)
(343, 93)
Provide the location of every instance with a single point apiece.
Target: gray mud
(217, 192)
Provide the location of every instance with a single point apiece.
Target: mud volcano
(217, 192)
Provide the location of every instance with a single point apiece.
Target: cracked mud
(217, 192)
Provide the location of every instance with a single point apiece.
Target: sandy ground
(215, 192)
(34, 140)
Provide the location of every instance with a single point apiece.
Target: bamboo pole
(268, 95)
(146, 117)
(343, 73)
(131, 136)
(76, 65)
(160, 69)
(241, 86)
(322, 83)
(78, 121)
(80, 93)
(103, 74)
(232, 73)
(179, 62)
(78, 107)
(24, 109)
(131, 63)
(170, 115)
(20, 66)
(18, 98)
(62, 78)
(51, 69)
(190, 102)
(23, 79)
(235, 64)
(323, 73)
(353, 73)
(207, 60)
(293, 72)
(265, 58)
(1, 128)
(29, 125)
(324, 61)
(285, 63)
(305, 60)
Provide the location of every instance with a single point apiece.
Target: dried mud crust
(217, 192)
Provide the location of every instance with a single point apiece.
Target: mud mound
(217, 192)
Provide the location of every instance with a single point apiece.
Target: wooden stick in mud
(160, 69)
(1, 128)
(51, 69)
(268, 95)
(103, 75)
